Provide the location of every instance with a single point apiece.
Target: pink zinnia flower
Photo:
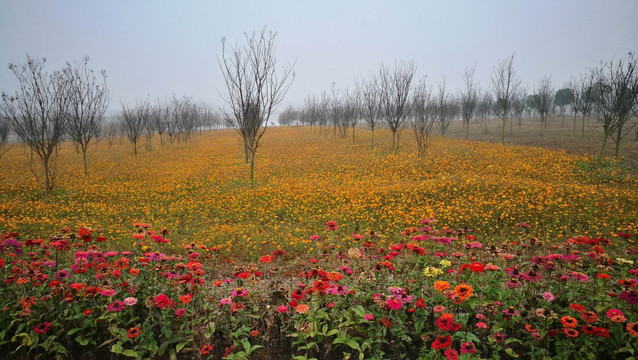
(180, 312)
(468, 347)
(394, 304)
(548, 296)
(282, 309)
(226, 301)
(481, 325)
(107, 292)
(130, 301)
(616, 315)
(368, 317)
(117, 306)
(438, 309)
(332, 225)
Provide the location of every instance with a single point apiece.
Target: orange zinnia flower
(570, 332)
(442, 285)
(569, 321)
(464, 291)
(302, 309)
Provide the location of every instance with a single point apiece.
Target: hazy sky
(158, 48)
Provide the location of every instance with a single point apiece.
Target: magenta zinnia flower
(117, 306)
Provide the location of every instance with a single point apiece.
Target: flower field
(199, 190)
(340, 251)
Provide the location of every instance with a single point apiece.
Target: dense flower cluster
(385, 302)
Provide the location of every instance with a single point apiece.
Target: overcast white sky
(158, 48)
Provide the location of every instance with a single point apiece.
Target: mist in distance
(159, 48)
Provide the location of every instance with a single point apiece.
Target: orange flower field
(200, 190)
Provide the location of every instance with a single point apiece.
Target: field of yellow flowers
(199, 190)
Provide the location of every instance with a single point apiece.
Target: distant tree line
(393, 98)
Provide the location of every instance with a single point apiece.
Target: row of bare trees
(46, 108)
(177, 118)
(393, 97)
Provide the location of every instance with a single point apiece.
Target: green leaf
(81, 340)
(332, 332)
(73, 331)
(511, 352)
(353, 344)
(116, 348)
(180, 346)
(130, 353)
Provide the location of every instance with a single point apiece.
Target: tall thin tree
(88, 100)
(394, 85)
(505, 83)
(255, 86)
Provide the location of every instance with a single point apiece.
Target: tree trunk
(394, 132)
(602, 150)
(135, 149)
(252, 169)
(48, 182)
(86, 171)
(582, 132)
(503, 132)
(467, 130)
(372, 137)
(618, 138)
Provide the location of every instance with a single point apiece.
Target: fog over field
(159, 48)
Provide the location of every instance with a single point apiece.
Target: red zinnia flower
(451, 354)
(632, 328)
(162, 301)
(42, 328)
(477, 267)
(206, 349)
(577, 307)
(133, 332)
(332, 225)
(442, 342)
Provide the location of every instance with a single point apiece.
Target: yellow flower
(431, 272)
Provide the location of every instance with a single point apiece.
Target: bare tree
(424, 110)
(132, 124)
(518, 105)
(255, 87)
(394, 90)
(543, 100)
(288, 116)
(447, 109)
(582, 101)
(505, 83)
(370, 109)
(484, 109)
(37, 115)
(159, 117)
(615, 88)
(353, 109)
(88, 100)
(110, 131)
(468, 98)
(5, 129)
